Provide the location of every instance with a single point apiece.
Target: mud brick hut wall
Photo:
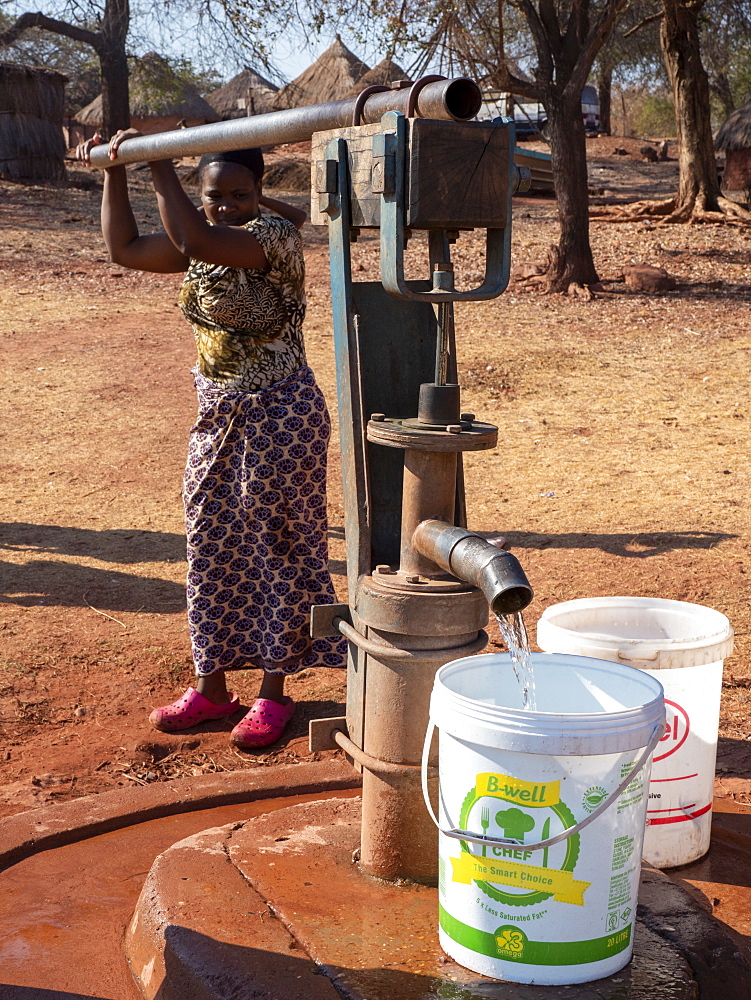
(32, 103)
(737, 175)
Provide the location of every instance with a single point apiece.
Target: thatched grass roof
(385, 73)
(330, 78)
(230, 101)
(735, 133)
(32, 91)
(155, 92)
(32, 102)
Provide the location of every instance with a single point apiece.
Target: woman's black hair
(251, 159)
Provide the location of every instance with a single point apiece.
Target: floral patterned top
(248, 322)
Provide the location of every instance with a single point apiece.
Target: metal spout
(475, 561)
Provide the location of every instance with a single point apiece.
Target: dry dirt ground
(622, 468)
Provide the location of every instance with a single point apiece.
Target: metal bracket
(331, 734)
(383, 171)
(322, 619)
(497, 244)
(327, 184)
(321, 733)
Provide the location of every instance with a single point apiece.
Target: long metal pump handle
(450, 100)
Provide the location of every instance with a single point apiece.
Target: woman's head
(231, 186)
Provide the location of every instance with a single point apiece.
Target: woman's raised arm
(189, 230)
(153, 252)
(296, 216)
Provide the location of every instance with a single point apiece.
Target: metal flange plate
(426, 614)
(404, 434)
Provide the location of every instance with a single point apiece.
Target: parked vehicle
(530, 117)
(591, 109)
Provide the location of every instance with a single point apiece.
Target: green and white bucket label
(511, 875)
(570, 904)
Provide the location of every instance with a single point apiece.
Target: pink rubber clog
(189, 710)
(264, 723)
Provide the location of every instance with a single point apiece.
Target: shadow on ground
(74, 584)
(629, 544)
(656, 973)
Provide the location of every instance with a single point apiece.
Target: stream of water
(514, 634)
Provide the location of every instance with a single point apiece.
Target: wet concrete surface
(205, 932)
(377, 940)
(721, 880)
(305, 899)
(63, 912)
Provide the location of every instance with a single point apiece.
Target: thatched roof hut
(734, 140)
(32, 102)
(248, 93)
(385, 73)
(735, 133)
(159, 99)
(330, 78)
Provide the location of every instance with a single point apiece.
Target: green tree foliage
(656, 116)
(156, 81)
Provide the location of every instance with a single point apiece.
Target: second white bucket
(683, 646)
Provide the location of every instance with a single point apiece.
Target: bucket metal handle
(477, 838)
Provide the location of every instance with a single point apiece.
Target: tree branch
(545, 67)
(549, 20)
(643, 23)
(596, 38)
(39, 20)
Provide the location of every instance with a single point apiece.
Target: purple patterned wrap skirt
(255, 510)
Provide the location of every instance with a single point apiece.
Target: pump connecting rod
(451, 100)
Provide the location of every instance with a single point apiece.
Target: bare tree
(698, 197)
(567, 39)
(108, 40)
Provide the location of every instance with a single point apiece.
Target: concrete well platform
(275, 907)
(254, 896)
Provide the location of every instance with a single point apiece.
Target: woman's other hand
(83, 149)
(120, 136)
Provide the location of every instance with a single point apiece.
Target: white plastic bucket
(541, 814)
(683, 645)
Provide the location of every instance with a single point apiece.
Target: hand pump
(400, 161)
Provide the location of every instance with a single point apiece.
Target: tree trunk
(572, 261)
(604, 92)
(113, 60)
(698, 187)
